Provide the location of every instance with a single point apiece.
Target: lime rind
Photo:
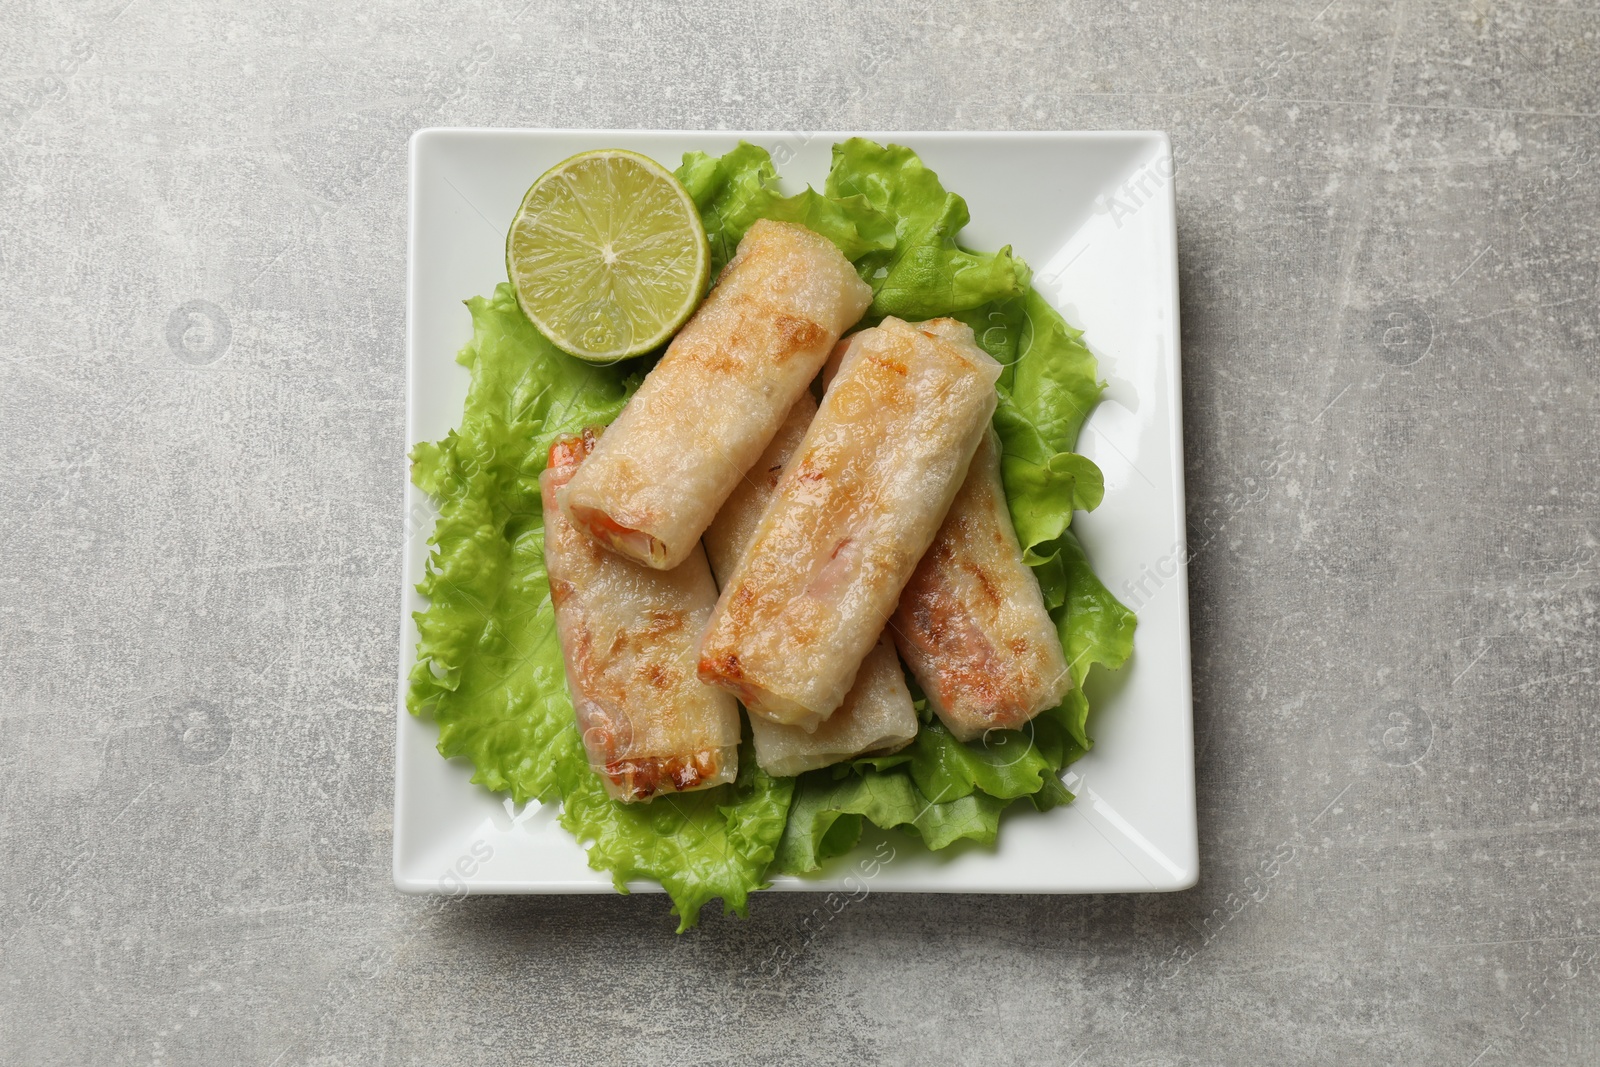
(607, 255)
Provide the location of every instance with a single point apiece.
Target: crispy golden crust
(877, 715)
(731, 531)
(876, 718)
(972, 623)
(629, 636)
(854, 511)
(717, 397)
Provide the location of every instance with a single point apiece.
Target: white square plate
(1093, 214)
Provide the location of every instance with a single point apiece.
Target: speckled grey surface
(1389, 222)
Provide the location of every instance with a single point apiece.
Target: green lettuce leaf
(1048, 388)
(701, 845)
(1095, 627)
(939, 789)
(489, 668)
(925, 274)
(826, 818)
(735, 190)
(1007, 764)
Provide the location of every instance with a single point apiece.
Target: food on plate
(608, 255)
(628, 638)
(877, 716)
(857, 506)
(714, 401)
(506, 585)
(729, 534)
(972, 623)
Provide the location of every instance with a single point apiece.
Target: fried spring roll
(730, 534)
(628, 636)
(972, 623)
(853, 513)
(876, 716)
(706, 411)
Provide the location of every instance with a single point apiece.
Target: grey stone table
(1389, 222)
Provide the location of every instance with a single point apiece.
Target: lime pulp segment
(607, 255)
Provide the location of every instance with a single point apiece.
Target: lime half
(607, 255)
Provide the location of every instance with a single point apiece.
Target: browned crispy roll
(877, 716)
(629, 636)
(972, 624)
(708, 409)
(853, 513)
(730, 533)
